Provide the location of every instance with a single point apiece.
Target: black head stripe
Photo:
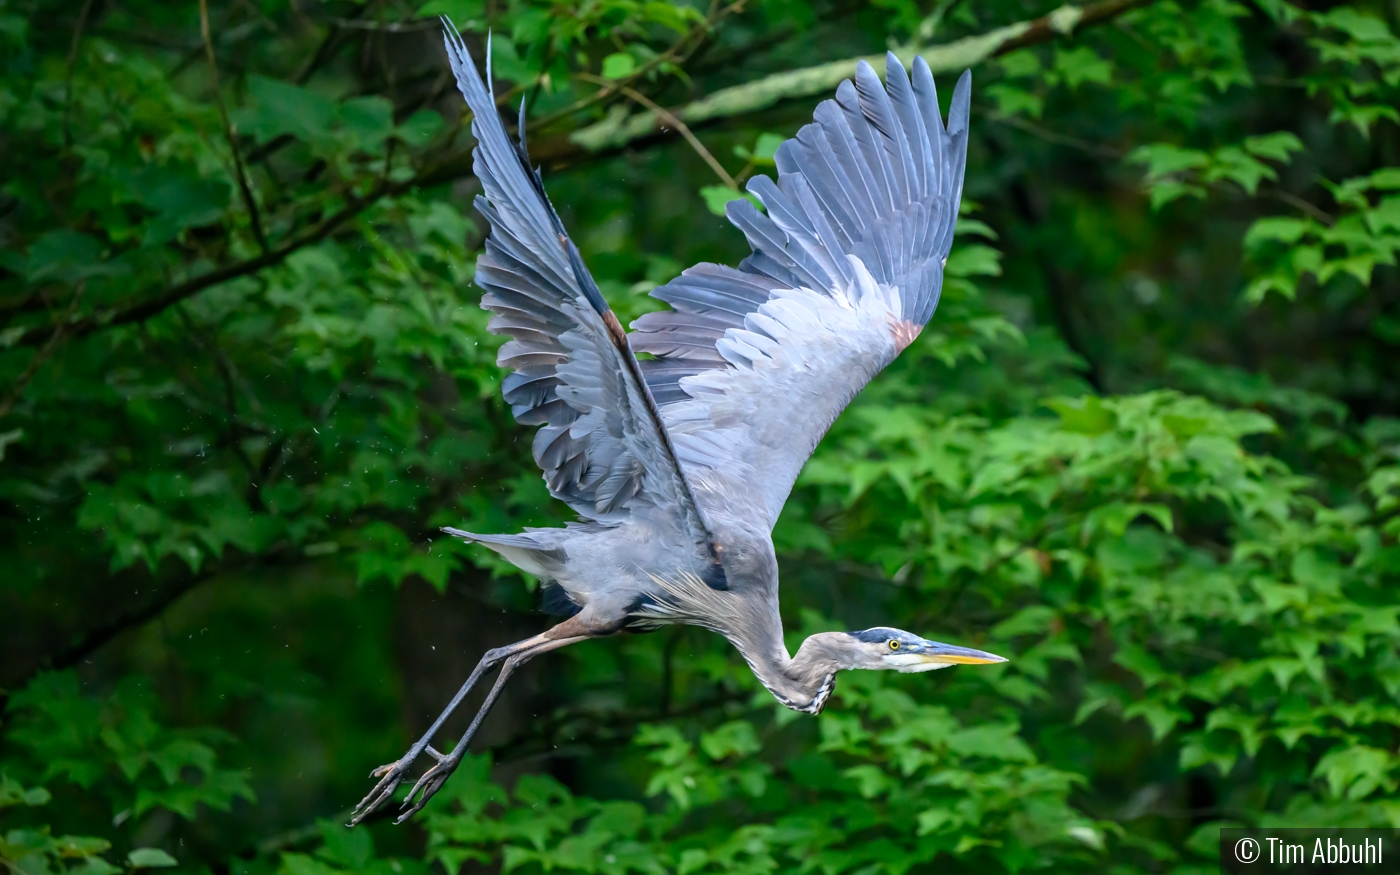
(878, 635)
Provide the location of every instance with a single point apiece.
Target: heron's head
(885, 648)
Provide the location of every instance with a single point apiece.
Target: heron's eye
(894, 645)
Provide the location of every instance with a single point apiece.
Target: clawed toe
(390, 775)
(429, 784)
(384, 770)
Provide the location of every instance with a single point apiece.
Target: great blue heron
(679, 464)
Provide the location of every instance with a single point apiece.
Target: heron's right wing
(753, 365)
(601, 443)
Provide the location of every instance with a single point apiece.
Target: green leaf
(344, 846)
(1278, 146)
(1163, 193)
(1356, 771)
(1276, 228)
(973, 260)
(1163, 159)
(1115, 517)
(149, 858)
(619, 65)
(181, 202)
(14, 28)
(736, 737)
(283, 108)
(13, 436)
(367, 121)
(1030, 620)
(419, 129)
(66, 255)
(763, 150)
(976, 228)
(1385, 217)
(1081, 64)
(1020, 63)
(14, 793)
(1086, 415)
(1161, 716)
(992, 741)
(463, 13)
(717, 196)
(1013, 100)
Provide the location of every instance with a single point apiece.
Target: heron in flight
(680, 463)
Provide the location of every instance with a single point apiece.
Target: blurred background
(1147, 448)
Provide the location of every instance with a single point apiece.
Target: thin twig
(181, 291)
(50, 346)
(193, 55)
(673, 53)
(1109, 152)
(74, 652)
(68, 72)
(447, 168)
(808, 81)
(328, 45)
(142, 39)
(1050, 136)
(928, 27)
(1293, 200)
(239, 172)
(386, 26)
(669, 119)
(439, 84)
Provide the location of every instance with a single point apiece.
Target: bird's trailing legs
(435, 777)
(392, 774)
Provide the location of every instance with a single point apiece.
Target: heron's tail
(526, 551)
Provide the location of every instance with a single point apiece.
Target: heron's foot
(390, 776)
(430, 783)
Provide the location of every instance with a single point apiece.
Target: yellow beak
(948, 654)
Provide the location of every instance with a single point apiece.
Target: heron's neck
(803, 682)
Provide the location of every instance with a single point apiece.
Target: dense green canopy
(1148, 447)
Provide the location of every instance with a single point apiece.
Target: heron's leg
(391, 775)
(435, 777)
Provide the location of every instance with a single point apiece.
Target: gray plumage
(679, 465)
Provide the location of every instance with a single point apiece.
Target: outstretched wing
(753, 365)
(601, 443)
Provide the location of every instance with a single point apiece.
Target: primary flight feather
(680, 464)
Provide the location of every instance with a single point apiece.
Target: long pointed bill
(936, 653)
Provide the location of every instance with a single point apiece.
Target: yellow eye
(894, 645)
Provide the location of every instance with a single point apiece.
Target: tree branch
(669, 119)
(1098, 149)
(620, 128)
(241, 176)
(181, 291)
(615, 133)
(60, 331)
(91, 640)
(68, 71)
(678, 53)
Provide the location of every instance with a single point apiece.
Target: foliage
(1149, 447)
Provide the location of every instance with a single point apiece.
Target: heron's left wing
(601, 444)
(753, 365)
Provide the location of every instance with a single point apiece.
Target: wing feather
(601, 444)
(753, 365)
